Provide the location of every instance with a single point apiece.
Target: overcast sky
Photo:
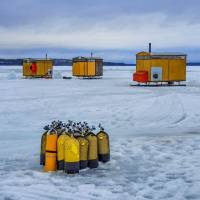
(113, 29)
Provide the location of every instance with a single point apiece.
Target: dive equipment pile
(73, 146)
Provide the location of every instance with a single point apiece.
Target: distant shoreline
(68, 62)
(57, 62)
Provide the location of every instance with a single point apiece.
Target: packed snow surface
(154, 135)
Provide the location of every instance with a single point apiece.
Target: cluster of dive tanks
(73, 146)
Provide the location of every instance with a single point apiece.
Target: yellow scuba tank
(51, 149)
(42, 148)
(84, 144)
(61, 151)
(103, 146)
(72, 155)
(93, 151)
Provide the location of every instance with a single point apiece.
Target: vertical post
(91, 54)
(149, 47)
(46, 56)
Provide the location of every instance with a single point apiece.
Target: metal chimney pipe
(149, 47)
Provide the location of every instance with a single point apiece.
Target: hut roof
(81, 58)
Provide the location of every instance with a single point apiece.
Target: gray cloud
(106, 25)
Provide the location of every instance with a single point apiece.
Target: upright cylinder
(93, 151)
(103, 146)
(61, 151)
(72, 155)
(51, 152)
(84, 144)
(43, 148)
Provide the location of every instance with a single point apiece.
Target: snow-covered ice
(154, 133)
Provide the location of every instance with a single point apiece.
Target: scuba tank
(50, 151)
(43, 146)
(78, 133)
(84, 144)
(103, 145)
(93, 151)
(61, 130)
(72, 155)
(61, 151)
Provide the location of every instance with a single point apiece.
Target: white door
(156, 73)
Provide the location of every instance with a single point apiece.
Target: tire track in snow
(184, 114)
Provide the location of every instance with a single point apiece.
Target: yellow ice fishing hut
(38, 68)
(88, 67)
(160, 67)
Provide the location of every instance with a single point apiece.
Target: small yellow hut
(88, 67)
(38, 68)
(160, 67)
